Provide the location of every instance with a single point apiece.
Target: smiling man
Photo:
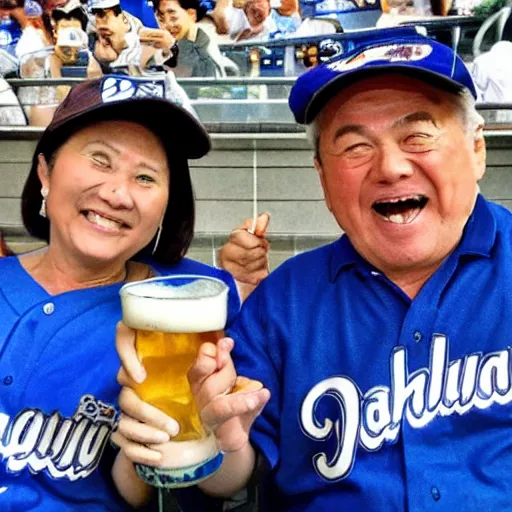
(385, 355)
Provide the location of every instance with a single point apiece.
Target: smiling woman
(110, 192)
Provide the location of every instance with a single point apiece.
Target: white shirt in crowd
(492, 73)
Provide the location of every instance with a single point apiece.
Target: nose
(117, 195)
(393, 164)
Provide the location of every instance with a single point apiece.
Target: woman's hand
(228, 404)
(141, 427)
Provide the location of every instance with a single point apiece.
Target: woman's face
(107, 192)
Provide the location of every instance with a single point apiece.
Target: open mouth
(107, 223)
(402, 210)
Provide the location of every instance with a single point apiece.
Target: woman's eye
(100, 160)
(145, 179)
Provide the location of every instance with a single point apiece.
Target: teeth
(397, 218)
(397, 200)
(103, 222)
(402, 218)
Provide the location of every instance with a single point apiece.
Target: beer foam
(198, 306)
(183, 454)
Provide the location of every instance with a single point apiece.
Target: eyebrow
(360, 129)
(351, 128)
(115, 150)
(414, 117)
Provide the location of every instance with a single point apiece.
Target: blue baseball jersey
(381, 403)
(58, 391)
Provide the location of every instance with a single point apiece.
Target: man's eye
(357, 150)
(419, 142)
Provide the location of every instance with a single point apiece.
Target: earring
(158, 233)
(44, 193)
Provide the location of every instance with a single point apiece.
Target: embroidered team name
(372, 419)
(65, 447)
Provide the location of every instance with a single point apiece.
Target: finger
(240, 256)
(136, 452)
(204, 366)
(224, 348)
(248, 267)
(242, 238)
(140, 432)
(124, 379)
(225, 407)
(133, 406)
(125, 345)
(262, 224)
(218, 384)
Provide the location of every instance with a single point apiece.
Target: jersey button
(417, 336)
(8, 380)
(48, 308)
(435, 493)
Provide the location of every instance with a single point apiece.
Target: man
(116, 42)
(492, 75)
(384, 354)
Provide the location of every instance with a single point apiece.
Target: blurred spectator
(21, 27)
(492, 73)
(116, 44)
(12, 22)
(11, 113)
(199, 54)
(256, 20)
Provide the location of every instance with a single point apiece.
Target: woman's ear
(43, 171)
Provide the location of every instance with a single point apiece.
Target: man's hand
(228, 404)
(157, 38)
(104, 51)
(245, 255)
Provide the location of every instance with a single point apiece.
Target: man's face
(111, 29)
(173, 18)
(399, 171)
(257, 11)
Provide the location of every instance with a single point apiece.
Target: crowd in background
(179, 38)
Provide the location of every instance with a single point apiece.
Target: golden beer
(172, 317)
(167, 358)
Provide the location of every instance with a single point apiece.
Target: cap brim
(340, 82)
(179, 131)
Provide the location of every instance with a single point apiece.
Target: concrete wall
(287, 187)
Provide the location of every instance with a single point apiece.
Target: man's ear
(43, 172)
(320, 170)
(480, 150)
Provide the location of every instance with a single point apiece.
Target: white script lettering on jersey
(370, 420)
(65, 447)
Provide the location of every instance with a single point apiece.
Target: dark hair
(11, 4)
(200, 9)
(179, 217)
(116, 9)
(76, 14)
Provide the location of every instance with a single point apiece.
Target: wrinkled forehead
(387, 89)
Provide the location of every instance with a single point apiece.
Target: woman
(110, 191)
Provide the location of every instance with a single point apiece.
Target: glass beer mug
(173, 316)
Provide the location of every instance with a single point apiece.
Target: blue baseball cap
(412, 55)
